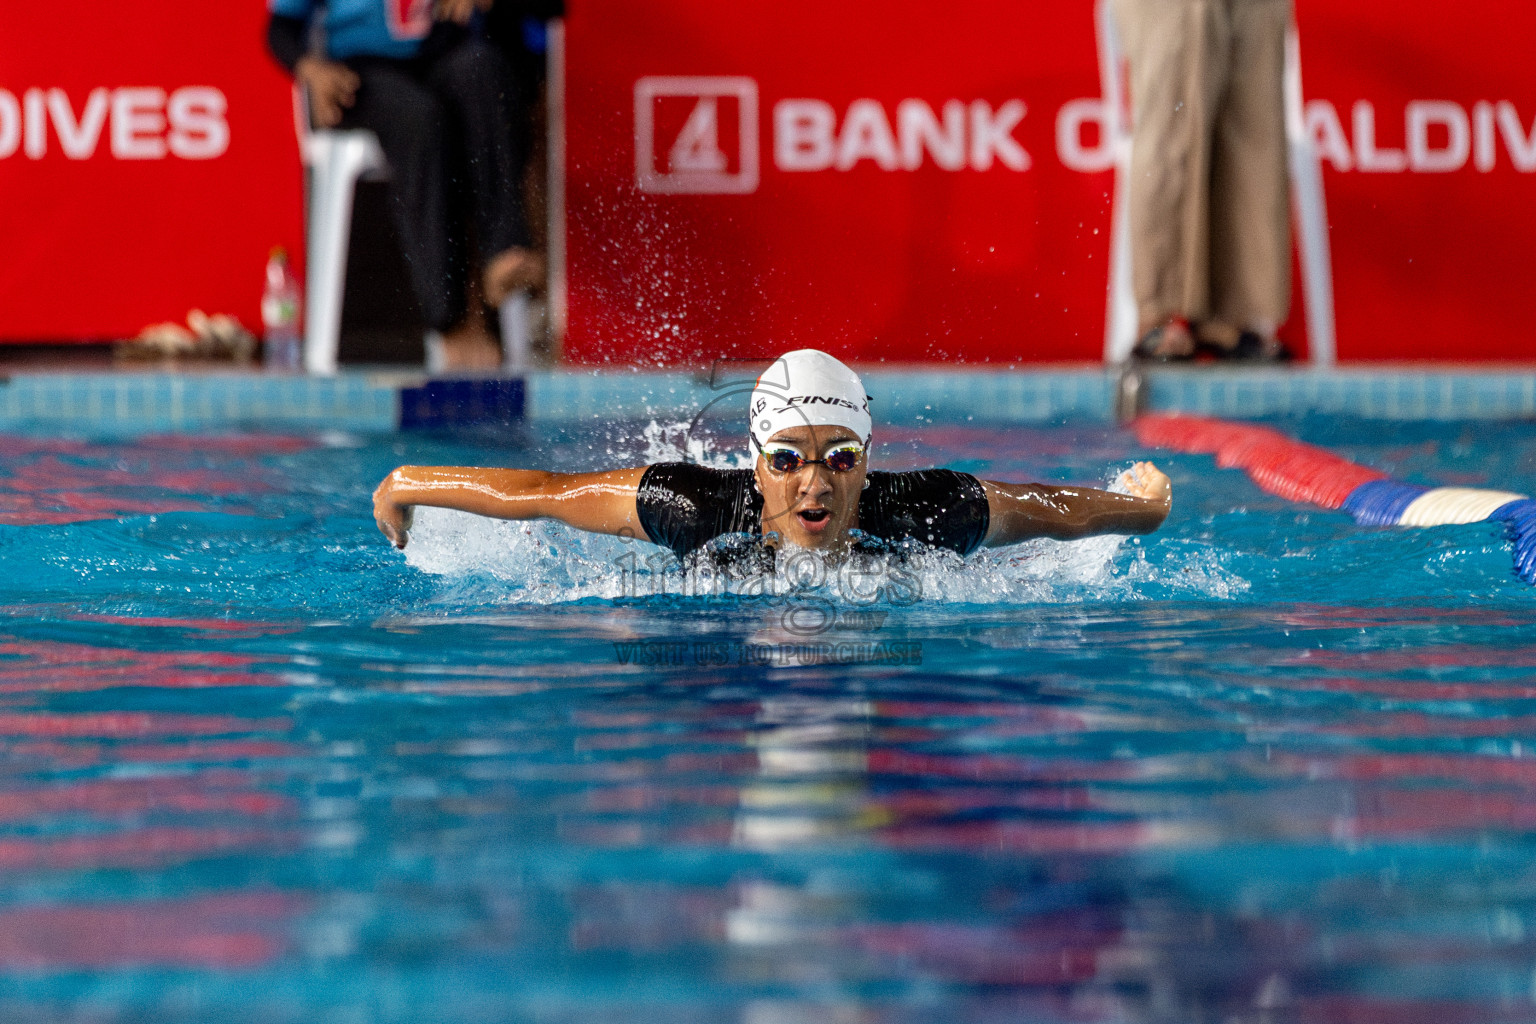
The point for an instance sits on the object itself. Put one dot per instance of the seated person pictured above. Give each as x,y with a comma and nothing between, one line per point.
438,98
811,486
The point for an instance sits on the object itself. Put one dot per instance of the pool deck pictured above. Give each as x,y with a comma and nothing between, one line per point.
152,401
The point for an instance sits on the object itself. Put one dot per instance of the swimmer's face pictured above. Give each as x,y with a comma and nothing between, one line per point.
812,506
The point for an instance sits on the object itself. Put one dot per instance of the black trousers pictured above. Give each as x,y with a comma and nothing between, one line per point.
444,121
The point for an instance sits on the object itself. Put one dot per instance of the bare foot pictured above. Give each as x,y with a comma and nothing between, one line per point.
512,270
470,348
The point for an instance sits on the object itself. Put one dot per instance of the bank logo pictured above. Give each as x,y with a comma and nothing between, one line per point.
696,134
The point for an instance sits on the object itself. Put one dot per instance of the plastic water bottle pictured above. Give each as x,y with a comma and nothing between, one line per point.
282,348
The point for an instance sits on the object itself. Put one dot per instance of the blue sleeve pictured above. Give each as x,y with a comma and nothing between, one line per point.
292,8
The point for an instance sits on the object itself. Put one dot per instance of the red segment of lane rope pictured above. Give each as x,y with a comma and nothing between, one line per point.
1280,465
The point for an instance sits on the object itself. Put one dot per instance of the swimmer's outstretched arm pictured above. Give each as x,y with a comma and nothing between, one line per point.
596,502
1025,511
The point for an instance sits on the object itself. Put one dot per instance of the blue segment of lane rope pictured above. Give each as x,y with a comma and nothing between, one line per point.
1519,519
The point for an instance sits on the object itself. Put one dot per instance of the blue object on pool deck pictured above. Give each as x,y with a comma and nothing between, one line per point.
461,403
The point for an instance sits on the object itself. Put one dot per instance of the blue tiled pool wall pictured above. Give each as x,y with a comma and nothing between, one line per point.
1037,396
382,401
169,402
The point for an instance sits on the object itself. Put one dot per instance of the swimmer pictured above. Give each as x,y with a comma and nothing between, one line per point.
811,486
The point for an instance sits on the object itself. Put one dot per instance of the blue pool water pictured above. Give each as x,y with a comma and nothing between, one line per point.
255,765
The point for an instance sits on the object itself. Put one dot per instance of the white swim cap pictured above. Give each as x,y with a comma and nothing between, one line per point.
807,387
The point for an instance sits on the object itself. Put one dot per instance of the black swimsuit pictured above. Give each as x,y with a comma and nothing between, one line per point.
685,506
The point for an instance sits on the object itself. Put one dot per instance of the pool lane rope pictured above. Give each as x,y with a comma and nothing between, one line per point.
1301,472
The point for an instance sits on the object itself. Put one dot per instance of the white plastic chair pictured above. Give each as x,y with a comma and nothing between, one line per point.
337,160
1308,208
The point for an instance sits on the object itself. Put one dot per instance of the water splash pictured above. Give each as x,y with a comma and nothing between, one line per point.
485,561
679,442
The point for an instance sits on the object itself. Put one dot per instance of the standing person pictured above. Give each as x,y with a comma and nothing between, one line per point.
519,28
1209,193
435,94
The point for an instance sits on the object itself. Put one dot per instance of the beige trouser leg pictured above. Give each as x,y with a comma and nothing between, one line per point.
1250,185
1210,216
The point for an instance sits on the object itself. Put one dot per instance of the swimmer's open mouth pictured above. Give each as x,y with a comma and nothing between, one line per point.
815,519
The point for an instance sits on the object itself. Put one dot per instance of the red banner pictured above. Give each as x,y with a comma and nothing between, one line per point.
148,160
892,181
1425,116
878,180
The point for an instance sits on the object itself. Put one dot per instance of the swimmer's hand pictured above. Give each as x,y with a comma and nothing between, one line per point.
1145,480
393,517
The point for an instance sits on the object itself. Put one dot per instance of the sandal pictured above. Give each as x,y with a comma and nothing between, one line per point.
1168,342
1253,347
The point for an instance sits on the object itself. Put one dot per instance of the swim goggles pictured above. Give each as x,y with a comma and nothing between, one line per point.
783,459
